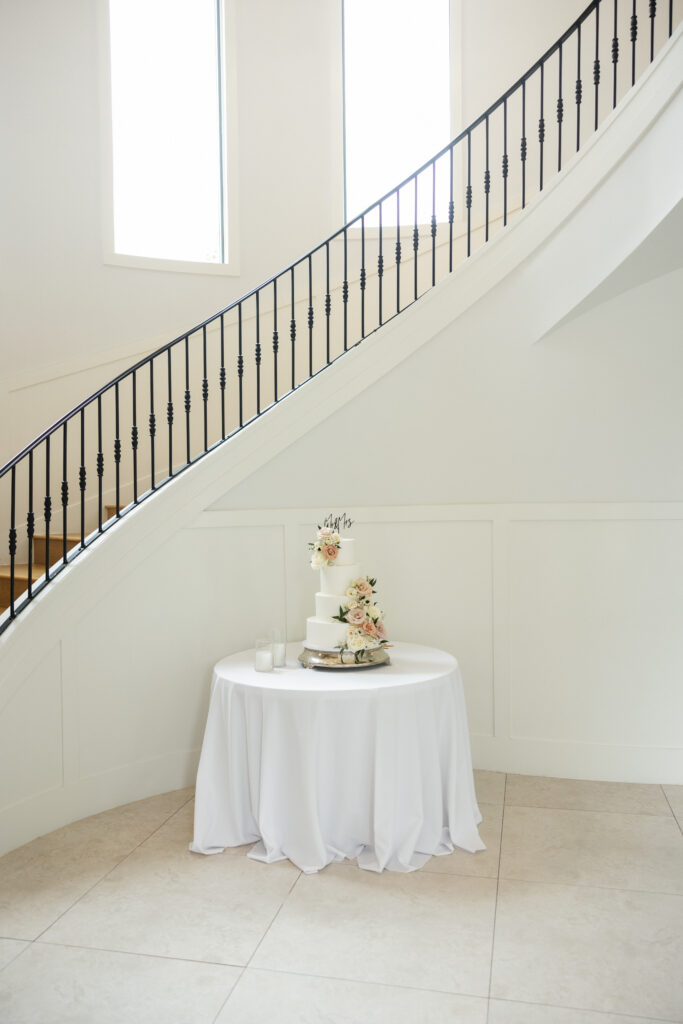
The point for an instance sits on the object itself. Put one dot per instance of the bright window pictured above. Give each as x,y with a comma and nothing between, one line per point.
166,82
396,95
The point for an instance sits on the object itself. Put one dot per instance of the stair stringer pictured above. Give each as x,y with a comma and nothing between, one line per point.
533,262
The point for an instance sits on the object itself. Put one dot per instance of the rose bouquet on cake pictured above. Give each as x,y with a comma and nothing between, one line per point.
364,618
325,547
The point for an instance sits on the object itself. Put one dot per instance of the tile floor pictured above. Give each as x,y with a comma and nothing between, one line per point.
573,915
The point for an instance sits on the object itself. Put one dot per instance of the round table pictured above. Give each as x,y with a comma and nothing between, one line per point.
318,765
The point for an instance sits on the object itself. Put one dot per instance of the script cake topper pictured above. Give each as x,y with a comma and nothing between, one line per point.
338,522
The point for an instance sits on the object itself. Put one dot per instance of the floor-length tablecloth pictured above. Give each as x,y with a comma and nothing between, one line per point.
316,766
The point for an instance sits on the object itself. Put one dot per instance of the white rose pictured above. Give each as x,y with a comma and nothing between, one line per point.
351,602
334,538
318,560
324,533
355,641
374,612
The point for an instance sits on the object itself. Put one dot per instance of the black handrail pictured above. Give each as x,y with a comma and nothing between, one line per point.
135,394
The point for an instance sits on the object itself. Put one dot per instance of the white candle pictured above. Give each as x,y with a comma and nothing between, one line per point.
279,652
263,661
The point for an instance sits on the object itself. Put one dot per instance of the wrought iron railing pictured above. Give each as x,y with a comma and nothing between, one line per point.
145,426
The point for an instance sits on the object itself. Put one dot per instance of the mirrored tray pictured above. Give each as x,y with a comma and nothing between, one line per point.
373,658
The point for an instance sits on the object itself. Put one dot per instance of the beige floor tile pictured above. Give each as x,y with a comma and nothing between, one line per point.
578,795
489,786
595,949
419,929
265,997
60,985
9,949
674,795
483,863
528,1013
42,879
167,901
622,851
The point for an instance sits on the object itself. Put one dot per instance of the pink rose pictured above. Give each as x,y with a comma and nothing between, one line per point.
355,616
369,628
364,589
330,552
380,631
324,531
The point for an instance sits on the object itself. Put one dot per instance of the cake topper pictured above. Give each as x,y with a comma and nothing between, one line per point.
338,522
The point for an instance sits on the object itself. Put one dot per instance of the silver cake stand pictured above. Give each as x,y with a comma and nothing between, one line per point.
373,658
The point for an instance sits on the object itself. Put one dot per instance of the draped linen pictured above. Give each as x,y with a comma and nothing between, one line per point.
316,766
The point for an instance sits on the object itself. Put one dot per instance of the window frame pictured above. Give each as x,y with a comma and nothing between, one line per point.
229,183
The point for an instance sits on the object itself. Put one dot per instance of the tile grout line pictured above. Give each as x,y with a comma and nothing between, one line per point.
256,948
592,810
113,868
583,1009
672,810
495,906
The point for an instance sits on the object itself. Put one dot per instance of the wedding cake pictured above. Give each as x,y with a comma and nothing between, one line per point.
347,616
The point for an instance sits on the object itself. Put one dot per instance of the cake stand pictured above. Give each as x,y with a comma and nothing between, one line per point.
373,657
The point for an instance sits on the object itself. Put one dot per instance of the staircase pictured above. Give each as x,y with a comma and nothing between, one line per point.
159,417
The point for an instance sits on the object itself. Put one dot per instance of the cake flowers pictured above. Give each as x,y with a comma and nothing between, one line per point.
325,547
364,618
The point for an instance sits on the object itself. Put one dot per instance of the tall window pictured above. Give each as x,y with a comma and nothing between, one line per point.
396,93
166,83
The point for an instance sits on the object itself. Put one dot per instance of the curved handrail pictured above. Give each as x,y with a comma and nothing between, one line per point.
230,320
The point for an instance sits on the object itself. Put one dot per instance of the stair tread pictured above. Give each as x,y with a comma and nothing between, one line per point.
75,537
21,569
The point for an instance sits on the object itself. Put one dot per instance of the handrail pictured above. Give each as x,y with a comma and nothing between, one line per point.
254,376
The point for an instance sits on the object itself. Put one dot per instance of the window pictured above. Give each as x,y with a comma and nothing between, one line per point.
396,94
167,132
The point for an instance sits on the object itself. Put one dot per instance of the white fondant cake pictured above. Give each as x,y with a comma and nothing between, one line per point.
322,632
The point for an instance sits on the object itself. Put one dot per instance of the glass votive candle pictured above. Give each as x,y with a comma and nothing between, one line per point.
279,653
263,656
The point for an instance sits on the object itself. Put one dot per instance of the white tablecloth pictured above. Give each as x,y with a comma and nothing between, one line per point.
316,766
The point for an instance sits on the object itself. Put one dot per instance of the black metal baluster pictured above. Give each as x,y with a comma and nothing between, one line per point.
653,13
47,508
328,301
560,113
615,58
276,343
188,399
380,265
522,145
487,179
398,250
169,413
671,17
634,36
222,377
596,63
30,524
310,316
416,238
579,88
345,291
468,193
363,276
451,211
152,424
82,478
205,391
65,493
134,437
292,333
257,356
12,539
433,223
117,450
505,161
240,361
541,132
100,463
